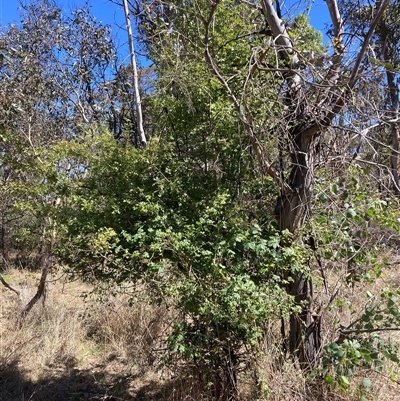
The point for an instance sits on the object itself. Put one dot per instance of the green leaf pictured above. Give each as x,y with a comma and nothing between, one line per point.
351,213
335,188
329,380
392,301
366,383
344,382
323,198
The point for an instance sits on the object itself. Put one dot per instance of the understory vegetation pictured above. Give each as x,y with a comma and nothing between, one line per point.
221,223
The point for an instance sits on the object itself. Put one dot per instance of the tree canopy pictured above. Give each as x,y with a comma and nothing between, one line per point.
272,161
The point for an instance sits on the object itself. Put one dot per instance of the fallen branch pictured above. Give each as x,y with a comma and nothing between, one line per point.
8,285
373,330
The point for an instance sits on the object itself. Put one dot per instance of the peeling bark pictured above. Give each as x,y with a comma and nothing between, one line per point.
293,206
394,127
293,212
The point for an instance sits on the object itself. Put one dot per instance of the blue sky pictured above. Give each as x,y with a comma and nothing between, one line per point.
103,10
111,14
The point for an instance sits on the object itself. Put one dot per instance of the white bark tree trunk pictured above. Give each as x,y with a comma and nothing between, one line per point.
139,114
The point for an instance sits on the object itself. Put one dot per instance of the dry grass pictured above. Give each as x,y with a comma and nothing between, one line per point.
72,349
103,349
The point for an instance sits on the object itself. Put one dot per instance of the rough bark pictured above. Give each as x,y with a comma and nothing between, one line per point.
394,114
41,290
304,122
305,328
394,131
45,263
292,211
293,206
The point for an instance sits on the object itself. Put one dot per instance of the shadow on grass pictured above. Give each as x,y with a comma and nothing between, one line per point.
72,384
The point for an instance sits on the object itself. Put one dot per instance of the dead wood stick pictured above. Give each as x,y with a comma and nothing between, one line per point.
8,285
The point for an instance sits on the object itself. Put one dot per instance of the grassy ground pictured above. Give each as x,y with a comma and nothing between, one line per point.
71,348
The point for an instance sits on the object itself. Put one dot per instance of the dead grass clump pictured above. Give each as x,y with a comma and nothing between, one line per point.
280,380
132,334
50,336
49,346
73,348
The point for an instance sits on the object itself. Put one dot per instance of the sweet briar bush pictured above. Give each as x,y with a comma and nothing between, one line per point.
354,223
140,217
364,345
205,248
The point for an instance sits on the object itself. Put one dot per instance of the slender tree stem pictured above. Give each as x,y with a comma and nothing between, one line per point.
139,114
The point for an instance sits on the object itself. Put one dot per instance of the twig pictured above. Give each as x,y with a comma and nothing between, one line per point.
373,330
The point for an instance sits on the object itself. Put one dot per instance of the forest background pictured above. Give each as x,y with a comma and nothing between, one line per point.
240,189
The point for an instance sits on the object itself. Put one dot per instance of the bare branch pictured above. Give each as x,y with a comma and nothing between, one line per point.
315,128
334,72
245,118
364,47
373,330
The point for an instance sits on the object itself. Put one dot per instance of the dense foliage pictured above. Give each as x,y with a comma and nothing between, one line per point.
266,172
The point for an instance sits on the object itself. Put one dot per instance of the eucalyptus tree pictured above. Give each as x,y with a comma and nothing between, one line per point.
54,74
137,98
54,70
381,78
286,90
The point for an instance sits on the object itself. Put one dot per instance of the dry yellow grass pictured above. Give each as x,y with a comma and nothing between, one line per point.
72,349
103,349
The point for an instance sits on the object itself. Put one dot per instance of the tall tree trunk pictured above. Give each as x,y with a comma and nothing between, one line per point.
293,207
304,121
292,211
46,260
393,100
394,129
139,114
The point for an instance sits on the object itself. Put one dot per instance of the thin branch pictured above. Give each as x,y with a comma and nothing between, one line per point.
373,330
245,119
334,71
364,47
252,5
316,127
